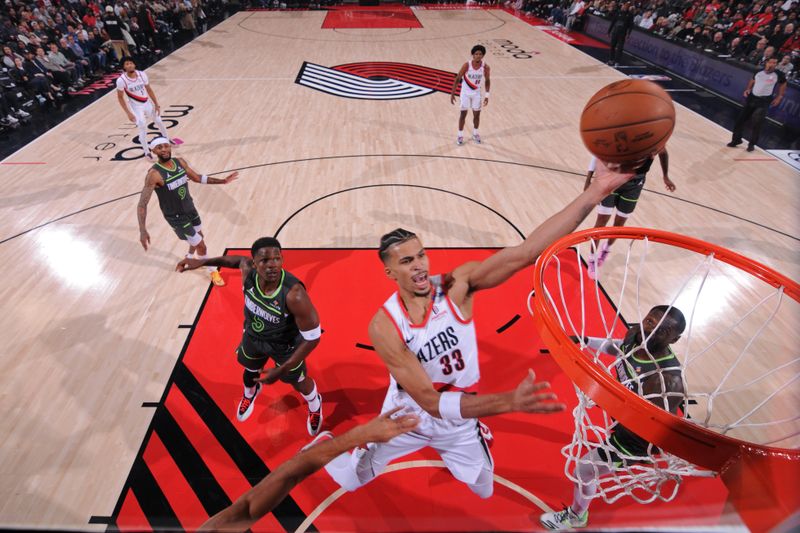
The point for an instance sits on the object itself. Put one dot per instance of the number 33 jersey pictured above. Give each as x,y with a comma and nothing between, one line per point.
444,343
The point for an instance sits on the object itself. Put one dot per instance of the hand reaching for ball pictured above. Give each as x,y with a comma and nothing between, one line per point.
610,176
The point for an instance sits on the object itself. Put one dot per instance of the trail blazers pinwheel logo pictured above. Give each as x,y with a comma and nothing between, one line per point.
376,80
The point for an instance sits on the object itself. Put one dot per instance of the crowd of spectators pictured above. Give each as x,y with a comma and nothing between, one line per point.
51,49
750,32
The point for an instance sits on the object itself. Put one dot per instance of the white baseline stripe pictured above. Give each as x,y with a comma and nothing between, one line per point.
417,464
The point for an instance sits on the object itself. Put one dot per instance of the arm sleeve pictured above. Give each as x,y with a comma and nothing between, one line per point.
609,346
120,86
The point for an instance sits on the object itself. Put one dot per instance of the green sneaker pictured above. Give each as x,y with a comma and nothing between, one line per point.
563,520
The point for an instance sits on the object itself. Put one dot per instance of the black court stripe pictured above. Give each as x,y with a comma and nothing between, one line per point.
151,499
365,347
288,513
508,324
190,463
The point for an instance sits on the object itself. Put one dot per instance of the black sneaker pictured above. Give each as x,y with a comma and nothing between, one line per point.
751,147
734,144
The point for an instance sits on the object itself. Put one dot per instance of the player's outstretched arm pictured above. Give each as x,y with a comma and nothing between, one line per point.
307,320
227,261
197,178
408,372
508,261
261,499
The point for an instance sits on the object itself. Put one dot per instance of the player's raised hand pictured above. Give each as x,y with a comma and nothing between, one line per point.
609,176
528,399
188,264
231,177
386,426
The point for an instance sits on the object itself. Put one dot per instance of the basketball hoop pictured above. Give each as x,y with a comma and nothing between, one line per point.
755,447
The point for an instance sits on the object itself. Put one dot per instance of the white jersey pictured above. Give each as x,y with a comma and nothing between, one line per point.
445,344
471,82
134,87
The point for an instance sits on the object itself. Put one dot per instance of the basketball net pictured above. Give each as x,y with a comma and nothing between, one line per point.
657,474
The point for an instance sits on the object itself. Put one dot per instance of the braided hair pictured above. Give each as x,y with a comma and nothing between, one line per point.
397,236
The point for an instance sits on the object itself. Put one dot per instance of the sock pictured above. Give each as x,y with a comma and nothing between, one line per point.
460,133
313,399
249,391
209,268
189,256
475,132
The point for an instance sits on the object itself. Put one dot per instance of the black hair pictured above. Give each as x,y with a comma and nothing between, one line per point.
478,48
264,242
397,236
675,315
126,59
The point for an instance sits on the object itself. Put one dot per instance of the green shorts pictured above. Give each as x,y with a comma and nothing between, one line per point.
185,225
254,354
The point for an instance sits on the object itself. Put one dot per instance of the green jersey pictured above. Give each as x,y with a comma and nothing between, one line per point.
266,316
173,196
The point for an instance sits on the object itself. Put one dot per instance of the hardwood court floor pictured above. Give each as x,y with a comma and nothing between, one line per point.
93,330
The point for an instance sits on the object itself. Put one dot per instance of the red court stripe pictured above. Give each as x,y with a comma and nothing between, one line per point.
131,517
218,461
25,163
176,489
754,159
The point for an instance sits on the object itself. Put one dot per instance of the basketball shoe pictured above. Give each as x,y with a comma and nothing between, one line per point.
460,140
216,278
246,405
563,520
322,437
596,261
476,137
314,422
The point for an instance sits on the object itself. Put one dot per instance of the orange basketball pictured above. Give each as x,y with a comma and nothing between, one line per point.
627,121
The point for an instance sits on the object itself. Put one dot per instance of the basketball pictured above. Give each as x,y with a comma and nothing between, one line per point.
627,121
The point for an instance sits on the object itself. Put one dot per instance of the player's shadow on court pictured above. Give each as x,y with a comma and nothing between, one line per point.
207,44
220,202
155,256
351,402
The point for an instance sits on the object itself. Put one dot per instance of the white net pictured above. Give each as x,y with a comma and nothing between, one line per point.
739,357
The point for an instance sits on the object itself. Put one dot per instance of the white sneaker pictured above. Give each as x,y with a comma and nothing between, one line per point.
246,405
476,138
563,520
11,119
314,420
23,114
460,140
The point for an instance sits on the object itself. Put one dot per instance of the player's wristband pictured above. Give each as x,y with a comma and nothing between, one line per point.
450,405
312,334
203,179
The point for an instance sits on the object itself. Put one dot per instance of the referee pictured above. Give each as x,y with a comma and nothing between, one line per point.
758,99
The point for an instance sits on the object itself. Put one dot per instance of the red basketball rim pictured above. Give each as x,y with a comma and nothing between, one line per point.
674,434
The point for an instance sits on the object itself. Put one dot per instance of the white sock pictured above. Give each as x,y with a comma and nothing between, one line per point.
460,133
313,399
189,256
209,268
475,131
249,391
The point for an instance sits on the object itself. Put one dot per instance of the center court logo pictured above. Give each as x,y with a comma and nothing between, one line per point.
376,80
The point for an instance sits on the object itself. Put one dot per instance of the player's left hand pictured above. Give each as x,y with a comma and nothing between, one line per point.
272,375
527,397
453,99
231,177
158,109
485,102
188,263
668,184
